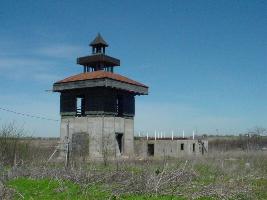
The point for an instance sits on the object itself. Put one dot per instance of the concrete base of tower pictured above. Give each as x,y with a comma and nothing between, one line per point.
98,137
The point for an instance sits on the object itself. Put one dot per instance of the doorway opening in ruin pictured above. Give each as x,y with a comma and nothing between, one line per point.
150,149
80,146
80,106
194,147
119,137
182,146
119,106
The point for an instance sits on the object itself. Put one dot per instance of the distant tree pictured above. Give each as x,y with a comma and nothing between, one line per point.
254,137
258,131
10,134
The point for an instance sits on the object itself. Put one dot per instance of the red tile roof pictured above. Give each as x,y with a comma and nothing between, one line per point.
100,75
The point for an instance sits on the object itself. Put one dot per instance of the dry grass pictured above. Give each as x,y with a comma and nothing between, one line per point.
224,174
231,175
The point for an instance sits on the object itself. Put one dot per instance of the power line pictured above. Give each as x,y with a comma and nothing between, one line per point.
28,115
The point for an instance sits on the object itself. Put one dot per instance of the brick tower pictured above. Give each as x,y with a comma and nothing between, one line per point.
97,107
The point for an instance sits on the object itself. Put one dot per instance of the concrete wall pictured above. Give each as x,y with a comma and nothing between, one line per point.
171,148
101,131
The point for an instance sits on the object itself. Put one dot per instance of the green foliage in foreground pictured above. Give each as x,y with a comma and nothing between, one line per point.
260,187
46,189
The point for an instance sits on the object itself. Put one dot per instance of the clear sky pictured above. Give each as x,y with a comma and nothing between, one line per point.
204,60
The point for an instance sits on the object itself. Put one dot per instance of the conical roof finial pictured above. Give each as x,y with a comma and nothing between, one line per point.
99,41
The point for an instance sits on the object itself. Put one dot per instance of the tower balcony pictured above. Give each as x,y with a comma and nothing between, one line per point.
98,59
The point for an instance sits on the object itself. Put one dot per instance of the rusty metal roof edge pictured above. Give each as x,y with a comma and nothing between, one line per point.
58,84
137,83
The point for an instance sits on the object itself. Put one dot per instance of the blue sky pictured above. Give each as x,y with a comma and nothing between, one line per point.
205,61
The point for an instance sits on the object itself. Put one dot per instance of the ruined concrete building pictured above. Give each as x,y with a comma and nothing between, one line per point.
97,106
169,147
97,110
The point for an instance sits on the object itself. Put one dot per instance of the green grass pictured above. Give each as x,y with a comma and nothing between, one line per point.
231,173
260,188
207,174
146,197
46,189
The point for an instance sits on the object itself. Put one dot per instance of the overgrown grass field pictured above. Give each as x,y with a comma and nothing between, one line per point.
47,189
231,175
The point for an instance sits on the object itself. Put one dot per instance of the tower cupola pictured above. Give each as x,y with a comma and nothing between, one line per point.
98,45
98,60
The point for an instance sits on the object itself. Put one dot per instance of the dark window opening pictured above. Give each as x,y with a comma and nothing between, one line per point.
119,137
150,149
119,106
80,106
194,147
182,146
